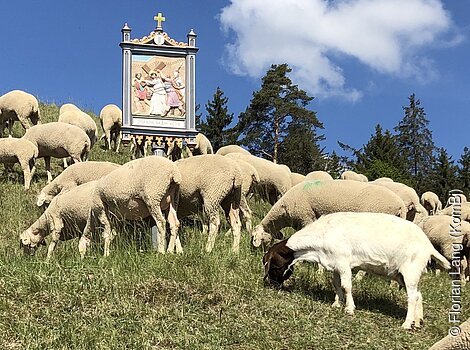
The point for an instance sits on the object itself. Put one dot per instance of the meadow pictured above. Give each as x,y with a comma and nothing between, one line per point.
138,299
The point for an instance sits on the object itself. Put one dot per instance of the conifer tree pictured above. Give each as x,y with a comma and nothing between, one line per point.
335,165
443,176
463,176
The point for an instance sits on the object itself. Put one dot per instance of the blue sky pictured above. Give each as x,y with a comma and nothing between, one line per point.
360,59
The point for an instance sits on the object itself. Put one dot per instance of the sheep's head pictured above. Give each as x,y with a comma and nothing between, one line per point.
260,236
43,198
278,263
30,240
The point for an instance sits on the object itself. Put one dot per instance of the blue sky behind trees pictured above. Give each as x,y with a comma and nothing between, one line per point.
360,59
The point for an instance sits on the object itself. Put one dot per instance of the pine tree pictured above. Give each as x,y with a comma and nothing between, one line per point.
464,172
215,127
265,122
443,176
414,140
335,165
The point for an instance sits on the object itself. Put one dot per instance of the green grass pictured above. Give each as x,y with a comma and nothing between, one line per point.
142,300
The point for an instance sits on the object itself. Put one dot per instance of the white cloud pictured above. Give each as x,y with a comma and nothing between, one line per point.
311,36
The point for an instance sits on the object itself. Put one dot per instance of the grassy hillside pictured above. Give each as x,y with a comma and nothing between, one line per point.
137,299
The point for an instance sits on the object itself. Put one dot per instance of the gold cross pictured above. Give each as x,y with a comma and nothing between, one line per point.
159,18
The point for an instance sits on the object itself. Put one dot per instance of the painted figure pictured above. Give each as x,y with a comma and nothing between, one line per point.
172,100
140,93
158,99
179,86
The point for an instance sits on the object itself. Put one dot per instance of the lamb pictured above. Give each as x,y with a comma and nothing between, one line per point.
83,121
13,150
306,202
351,175
142,188
209,182
275,180
431,202
111,122
65,218
21,106
318,175
446,236
68,107
231,149
374,242
75,175
460,341
203,145
296,178
58,140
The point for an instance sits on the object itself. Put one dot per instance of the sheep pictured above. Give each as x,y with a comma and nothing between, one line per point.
83,121
306,202
351,175
13,150
250,179
21,106
68,107
296,178
457,341
208,182
446,236
275,180
462,210
384,179
318,175
75,175
231,149
431,202
374,242
111,122
65,218
203,145
139,189
451,200
58,140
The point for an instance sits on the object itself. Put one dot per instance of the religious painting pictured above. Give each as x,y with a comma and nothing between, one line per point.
158,87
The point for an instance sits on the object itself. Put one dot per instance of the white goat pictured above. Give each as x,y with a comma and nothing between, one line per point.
379,243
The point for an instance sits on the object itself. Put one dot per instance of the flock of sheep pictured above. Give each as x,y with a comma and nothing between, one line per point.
381,227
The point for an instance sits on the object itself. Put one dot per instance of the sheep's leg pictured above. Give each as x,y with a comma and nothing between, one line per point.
174,227
214,223
346,283
108,233
108,139
65,163
234,217
118,141
26,174
47,161
339,296
157,215
83,245
246,214
58,225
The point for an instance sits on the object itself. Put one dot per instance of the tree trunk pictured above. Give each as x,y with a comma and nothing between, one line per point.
276,138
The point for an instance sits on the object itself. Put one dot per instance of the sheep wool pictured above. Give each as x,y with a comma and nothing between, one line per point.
459,342
111,122
18,105
75,175
306,202
318,175
203,145
224,150
351,175
296,178
13,150
83,121
462,210
68,107
431,202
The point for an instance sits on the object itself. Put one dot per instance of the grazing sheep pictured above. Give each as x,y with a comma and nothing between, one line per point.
318,175
351,175
446,236
462,210
83,121
384,179
75,175
459,341
431,202
111,122
296,178
374,242
142,188
21,106
68,107
203,145
209,182
21,151
275,180
58,140
65,218
306,202
231,149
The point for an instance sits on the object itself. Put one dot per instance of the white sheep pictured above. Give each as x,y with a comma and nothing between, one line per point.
318,175
203,145
431,202
75,175
111,122
462,210
452,199
231,149
58,140
352,175
296,178
209,182
83,121
275,180
21,106
384,179
13,150
460,341
306,202
447,236
374,242
68,107
65,218
142,188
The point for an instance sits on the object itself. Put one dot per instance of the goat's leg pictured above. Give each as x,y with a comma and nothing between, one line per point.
411,279
346,283
419,310
339,295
